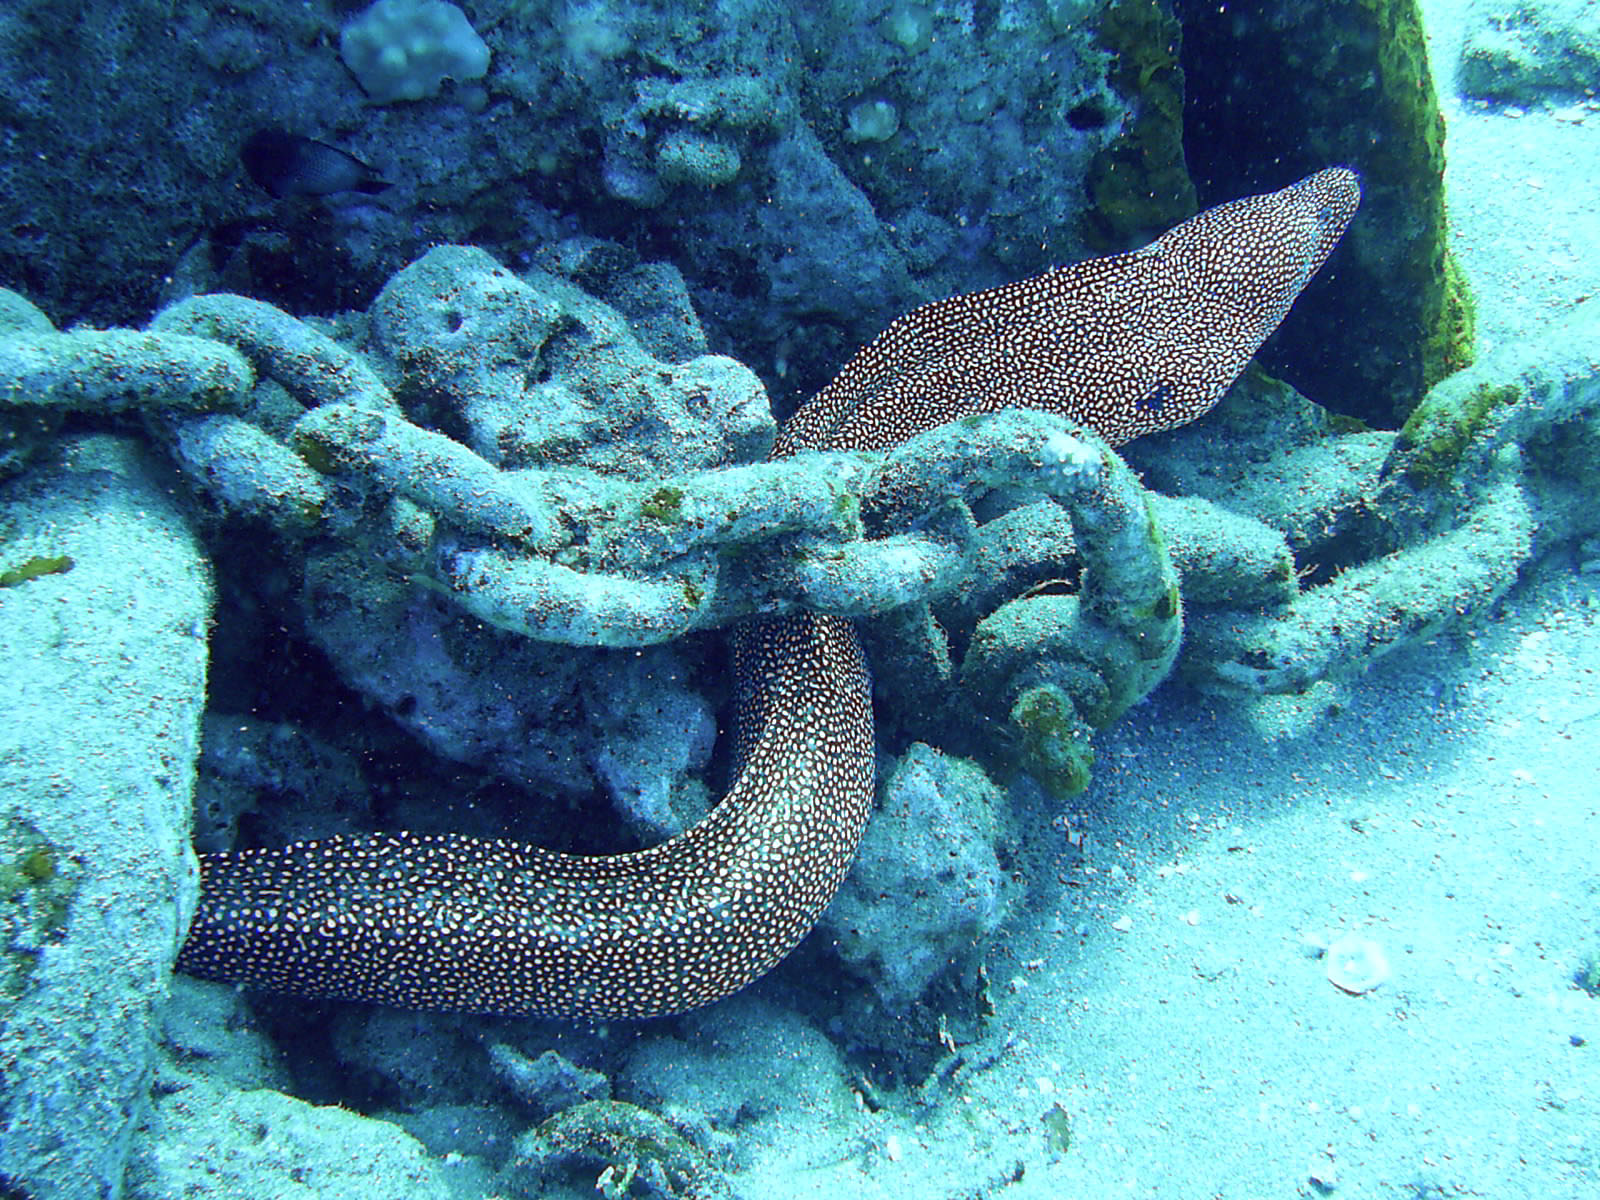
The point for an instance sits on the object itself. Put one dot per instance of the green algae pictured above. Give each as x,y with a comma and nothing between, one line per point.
1058,1128
1053,743
36,891
847,508
1340,423
1587,976
1451,337
35,568
38,865
1167,604
316,452
1139,182
1424,279
665,504
1436,435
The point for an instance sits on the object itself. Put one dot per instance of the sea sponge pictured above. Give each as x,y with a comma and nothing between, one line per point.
406,49
687,156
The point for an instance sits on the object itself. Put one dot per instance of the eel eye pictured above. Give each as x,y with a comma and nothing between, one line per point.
1155,399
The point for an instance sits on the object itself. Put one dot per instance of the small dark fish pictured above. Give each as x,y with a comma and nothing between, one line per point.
287,164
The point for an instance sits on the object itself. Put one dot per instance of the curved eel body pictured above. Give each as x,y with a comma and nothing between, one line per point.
1126,345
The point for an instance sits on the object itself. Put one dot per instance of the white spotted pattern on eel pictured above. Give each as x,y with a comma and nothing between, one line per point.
1127,345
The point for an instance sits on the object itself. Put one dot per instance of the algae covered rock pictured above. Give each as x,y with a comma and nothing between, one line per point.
927,888
204,1137
1531,53
699,1075
105,670
532,370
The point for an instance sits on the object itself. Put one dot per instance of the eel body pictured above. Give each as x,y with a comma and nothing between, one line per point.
1126,345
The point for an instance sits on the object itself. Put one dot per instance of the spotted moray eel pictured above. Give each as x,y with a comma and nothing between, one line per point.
1126,345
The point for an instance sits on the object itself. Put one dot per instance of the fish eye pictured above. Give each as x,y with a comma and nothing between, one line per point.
1155,397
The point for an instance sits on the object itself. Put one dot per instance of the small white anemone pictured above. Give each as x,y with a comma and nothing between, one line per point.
909,26
1070,460
872,121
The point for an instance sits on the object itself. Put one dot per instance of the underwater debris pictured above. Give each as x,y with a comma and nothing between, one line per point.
1356,964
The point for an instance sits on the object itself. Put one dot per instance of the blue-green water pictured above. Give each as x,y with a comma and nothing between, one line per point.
448,541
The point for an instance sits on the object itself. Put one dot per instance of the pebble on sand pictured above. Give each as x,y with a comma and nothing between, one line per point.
1356,964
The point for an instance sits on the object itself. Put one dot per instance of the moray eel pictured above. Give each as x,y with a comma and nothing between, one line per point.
1126,345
